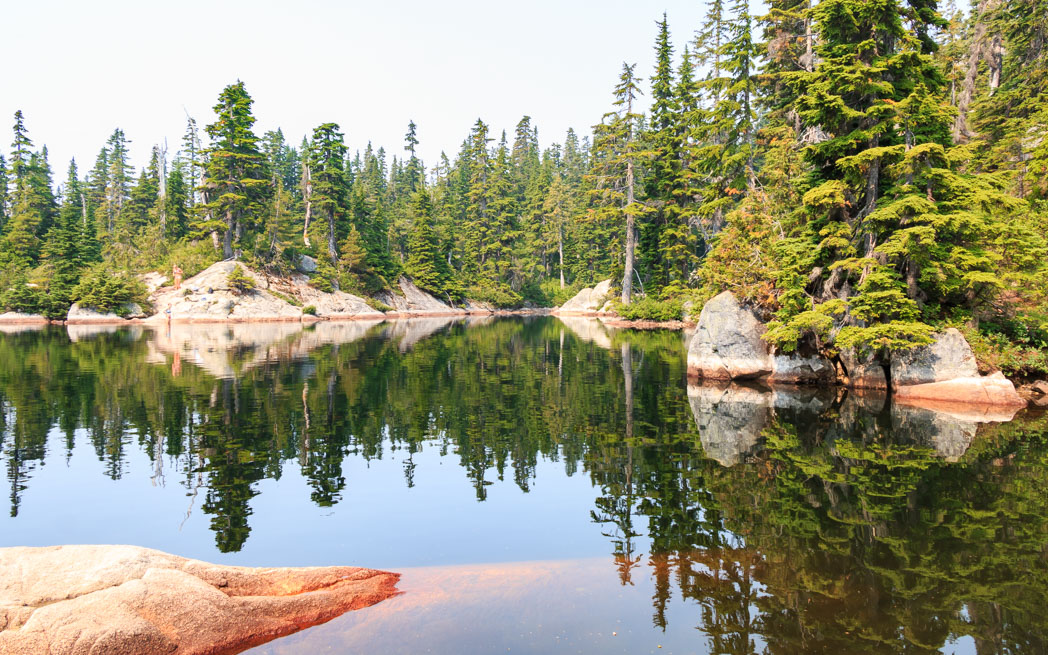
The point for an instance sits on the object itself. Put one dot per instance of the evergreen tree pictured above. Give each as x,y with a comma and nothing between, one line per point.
617,155
425,265
61,249
236,183
326,160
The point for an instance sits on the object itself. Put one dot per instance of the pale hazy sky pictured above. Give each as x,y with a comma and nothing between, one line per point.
78,69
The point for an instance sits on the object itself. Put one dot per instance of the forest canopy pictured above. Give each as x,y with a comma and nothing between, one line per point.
860,172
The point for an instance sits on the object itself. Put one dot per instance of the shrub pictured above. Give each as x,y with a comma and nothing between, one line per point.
239,281
21,297
649,309
106,291
310,309
378,305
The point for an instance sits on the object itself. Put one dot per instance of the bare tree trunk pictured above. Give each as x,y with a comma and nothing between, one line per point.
560,251
631,238
162,200
307,191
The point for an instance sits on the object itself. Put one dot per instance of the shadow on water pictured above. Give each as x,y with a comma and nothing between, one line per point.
811,521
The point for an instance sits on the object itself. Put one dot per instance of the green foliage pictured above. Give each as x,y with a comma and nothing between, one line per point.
108,291
310,310
239,281
650,309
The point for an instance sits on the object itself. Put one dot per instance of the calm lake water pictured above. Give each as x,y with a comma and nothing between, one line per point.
545,485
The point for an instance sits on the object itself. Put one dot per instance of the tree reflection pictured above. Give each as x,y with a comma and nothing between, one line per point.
811,522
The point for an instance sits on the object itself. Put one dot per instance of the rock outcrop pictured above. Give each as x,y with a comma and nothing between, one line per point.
945,371
947,358
413,300
83,315
587,301
207,297
797,368
19,318
993,389
728,342
125,600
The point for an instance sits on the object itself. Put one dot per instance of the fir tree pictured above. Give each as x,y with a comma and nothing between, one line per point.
235,180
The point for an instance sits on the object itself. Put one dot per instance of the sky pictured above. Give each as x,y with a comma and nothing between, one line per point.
79,69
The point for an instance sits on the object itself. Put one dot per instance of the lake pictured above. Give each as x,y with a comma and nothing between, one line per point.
545,485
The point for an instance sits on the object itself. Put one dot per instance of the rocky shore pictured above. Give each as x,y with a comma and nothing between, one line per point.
728,346
208,298
125,600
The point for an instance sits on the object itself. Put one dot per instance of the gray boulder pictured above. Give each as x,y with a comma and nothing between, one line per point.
949,357
306,264
588,300
728,342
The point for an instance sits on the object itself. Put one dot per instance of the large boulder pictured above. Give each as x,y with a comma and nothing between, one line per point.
124,600
587,301
306,264
992,389
728,342
947,358
945,371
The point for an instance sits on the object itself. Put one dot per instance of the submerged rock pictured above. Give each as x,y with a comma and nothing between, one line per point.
587,301
728,342
68,600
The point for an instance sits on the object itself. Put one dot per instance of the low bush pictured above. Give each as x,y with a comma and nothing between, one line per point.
108,291
239,281
649,309
310,310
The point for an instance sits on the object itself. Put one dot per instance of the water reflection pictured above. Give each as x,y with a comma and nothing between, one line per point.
805,521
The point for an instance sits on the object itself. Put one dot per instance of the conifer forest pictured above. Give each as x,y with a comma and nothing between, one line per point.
861,171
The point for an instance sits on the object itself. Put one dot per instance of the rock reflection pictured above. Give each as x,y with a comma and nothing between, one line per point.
775,522
731,419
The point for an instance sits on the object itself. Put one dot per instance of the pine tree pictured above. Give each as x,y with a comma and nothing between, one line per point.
61,249
664,168
4,201
425,265
326,160
617,153
236,183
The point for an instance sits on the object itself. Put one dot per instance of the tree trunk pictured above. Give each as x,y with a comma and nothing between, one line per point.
332,250
982,48
560,252
307,183
631,238
227,237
